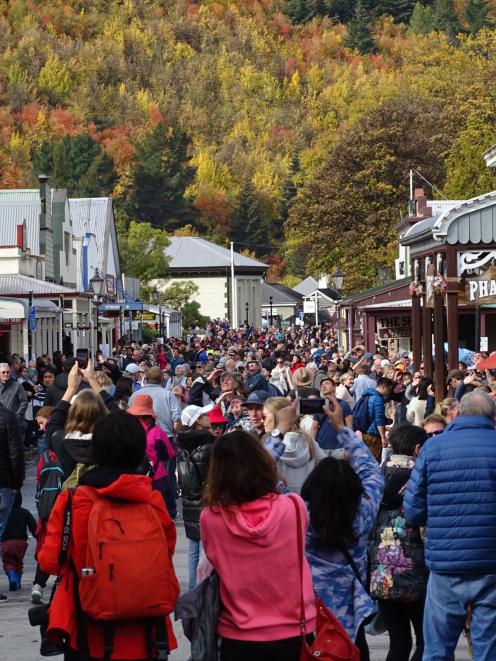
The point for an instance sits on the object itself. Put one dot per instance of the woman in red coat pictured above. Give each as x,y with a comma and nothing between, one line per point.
118,446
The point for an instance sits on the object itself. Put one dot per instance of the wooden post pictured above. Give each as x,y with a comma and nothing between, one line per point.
427,340
416,332
439,379
452,308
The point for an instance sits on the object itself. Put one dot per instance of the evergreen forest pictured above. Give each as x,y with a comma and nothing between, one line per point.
287,126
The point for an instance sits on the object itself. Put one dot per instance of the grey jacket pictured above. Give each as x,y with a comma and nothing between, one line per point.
13,397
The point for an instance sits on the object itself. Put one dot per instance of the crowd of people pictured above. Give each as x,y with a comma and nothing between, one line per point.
254,440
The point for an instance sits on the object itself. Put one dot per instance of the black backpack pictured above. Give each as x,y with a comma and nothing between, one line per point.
49,485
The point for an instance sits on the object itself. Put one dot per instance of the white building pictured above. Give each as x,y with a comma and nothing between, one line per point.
209,267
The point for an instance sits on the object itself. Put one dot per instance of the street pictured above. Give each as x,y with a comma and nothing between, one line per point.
18,640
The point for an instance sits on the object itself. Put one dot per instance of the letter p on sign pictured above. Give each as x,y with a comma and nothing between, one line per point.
474,286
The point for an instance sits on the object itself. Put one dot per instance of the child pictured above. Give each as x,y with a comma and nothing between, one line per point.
42,419
15,542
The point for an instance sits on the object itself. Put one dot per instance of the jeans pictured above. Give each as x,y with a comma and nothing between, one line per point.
194,550
448,597
397,617
6,502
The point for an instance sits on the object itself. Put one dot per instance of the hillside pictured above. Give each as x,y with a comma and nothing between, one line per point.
240,120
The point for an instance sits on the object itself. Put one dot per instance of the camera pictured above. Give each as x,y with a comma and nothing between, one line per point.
38,617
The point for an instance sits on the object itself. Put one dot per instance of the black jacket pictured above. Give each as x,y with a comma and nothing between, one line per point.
55,393
11,450
19,522
193,455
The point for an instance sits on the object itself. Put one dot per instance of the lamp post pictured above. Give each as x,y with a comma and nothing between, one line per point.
156,301
271,314
338,277
247,308
383,273
97,284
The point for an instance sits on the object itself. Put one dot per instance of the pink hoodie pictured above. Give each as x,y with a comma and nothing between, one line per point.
154,434
253,548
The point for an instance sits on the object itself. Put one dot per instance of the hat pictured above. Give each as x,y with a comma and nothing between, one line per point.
385,363
257,397
454,374
302,377
400,367
405,354
132,368
142,405
191,414
216,416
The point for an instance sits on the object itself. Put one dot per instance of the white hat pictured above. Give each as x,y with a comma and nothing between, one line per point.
385,363
191,414
132,368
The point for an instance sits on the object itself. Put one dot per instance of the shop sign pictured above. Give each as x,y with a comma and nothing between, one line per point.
394,326
143,316
479,289
309,307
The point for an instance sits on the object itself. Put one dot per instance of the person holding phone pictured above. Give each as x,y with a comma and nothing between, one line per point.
322,431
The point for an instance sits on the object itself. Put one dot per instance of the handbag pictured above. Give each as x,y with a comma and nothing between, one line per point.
331,642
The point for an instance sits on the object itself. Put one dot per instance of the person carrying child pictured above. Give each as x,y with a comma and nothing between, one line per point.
15,542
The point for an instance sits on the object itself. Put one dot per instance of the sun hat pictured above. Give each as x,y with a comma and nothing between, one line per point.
216,416
385,363
142,405
132,368
257,398
302,377
191,414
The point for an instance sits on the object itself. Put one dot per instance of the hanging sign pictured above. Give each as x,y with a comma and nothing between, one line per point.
479,289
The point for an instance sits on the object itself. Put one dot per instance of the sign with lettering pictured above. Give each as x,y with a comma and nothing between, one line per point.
394,326
479,289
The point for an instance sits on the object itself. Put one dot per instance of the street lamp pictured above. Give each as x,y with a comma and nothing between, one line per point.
270,304
383,273
97,285
247,307
155,300
338,277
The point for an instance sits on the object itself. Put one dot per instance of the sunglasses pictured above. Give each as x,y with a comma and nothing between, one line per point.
434,433
218,425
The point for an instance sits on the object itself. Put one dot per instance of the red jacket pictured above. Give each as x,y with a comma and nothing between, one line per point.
129,641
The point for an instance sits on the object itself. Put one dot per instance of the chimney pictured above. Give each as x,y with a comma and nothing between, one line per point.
421,208
323,282
46,238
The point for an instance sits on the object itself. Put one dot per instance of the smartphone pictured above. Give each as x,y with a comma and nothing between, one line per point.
82,357
311,406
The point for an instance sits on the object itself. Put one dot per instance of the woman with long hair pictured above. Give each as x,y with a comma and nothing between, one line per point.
249,534
343,497
416,410
300,453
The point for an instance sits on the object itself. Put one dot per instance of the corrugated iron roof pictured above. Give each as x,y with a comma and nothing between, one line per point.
13,212
89,216
21,194
306,286
190,252
15,284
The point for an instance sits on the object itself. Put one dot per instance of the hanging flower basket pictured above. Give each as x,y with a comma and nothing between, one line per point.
439,284
416,288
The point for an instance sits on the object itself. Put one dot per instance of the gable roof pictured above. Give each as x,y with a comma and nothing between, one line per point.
281,295
189,253
306,286
326,292
13,212
14,284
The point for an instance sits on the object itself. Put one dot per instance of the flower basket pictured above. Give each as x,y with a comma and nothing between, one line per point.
416,288
439,284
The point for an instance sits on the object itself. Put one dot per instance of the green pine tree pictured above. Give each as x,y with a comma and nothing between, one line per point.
400,10
360,37
159,180
289,191
248,228
422,20
477,15
299,11
100,178
445,18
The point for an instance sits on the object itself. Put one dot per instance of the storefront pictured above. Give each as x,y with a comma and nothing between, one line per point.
453,290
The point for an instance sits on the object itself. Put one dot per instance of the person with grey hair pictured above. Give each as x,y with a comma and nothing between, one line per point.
12,395
179,378
452,492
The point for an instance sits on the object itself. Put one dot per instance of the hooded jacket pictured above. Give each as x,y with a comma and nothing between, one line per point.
452,491
11,451
297,461
19,522
55,393
254,550
193,455
129,636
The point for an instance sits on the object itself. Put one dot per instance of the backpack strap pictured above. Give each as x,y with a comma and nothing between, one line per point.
108,639
303,622
156,638
353,566
66,529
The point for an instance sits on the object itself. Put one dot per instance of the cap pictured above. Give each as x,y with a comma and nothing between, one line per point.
385,363
142,405
191,414
405,354
257,397
454,374
216,416
132,368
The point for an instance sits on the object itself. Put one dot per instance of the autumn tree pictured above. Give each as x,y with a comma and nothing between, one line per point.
359,36
160,177
346,215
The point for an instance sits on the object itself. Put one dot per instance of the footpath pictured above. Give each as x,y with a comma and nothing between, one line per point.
19,641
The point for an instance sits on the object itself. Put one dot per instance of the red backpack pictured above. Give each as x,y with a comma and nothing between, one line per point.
127,554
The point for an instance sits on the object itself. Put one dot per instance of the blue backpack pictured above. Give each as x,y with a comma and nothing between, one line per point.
361,417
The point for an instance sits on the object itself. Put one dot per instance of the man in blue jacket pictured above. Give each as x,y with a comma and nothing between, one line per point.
375,436
452,491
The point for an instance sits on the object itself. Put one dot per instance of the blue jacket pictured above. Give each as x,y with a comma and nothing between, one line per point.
376,410
452,491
